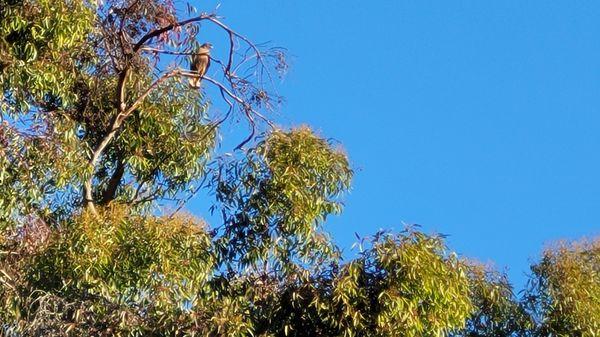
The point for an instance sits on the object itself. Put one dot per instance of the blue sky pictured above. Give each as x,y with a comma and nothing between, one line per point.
477,119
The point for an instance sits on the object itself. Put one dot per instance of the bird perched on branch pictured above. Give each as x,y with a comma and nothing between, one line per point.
199,64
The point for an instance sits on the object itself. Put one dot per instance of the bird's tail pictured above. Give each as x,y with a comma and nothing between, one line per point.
195,82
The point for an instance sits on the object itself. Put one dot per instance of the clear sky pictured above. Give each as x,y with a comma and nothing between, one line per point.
477,119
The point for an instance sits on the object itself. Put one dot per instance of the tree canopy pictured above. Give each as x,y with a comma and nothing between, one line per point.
99,128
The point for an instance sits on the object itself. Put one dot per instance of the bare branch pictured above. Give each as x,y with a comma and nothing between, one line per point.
214,19
232,33
167,28
246,106
237,90
163,51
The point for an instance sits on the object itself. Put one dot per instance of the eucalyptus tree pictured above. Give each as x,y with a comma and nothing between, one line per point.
99,127
564,290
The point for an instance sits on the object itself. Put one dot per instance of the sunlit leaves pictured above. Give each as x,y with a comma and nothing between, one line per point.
59,72
37,42
306,174
275,199
38,164
153,268
167,142
405,285
68,72
498,312
565,290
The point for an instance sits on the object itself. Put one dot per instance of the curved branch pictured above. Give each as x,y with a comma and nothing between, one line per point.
114,128
167,28
123,111
214,19
233,33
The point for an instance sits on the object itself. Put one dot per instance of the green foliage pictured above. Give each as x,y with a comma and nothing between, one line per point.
305,173
406,285
59,79
275,199
35,170
89,104
165,144
565,290
498,313
139,273
41,43
121,253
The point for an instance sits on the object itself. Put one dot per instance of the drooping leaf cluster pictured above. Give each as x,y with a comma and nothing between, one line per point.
405,285
276,198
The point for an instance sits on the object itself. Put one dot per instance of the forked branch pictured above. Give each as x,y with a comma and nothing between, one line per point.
248,95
